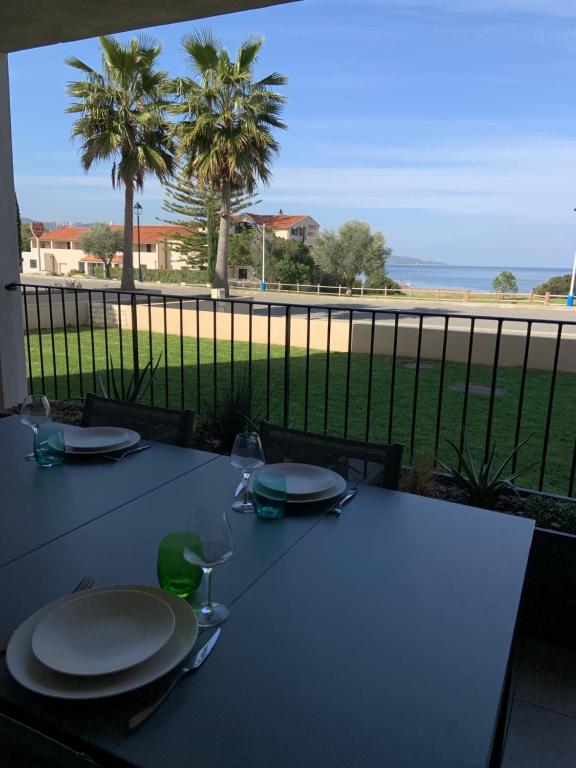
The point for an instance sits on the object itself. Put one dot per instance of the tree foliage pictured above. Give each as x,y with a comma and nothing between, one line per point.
104,242
287,261
194,206
505,282
558,285
227,117
354,248
122,118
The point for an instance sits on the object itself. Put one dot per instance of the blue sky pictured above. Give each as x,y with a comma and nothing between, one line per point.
447,124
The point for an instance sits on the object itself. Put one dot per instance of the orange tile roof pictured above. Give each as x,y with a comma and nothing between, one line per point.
148,233
278,221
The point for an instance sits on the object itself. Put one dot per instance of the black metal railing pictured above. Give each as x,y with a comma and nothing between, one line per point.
379,374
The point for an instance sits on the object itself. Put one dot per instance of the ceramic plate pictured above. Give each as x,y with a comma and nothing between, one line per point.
337,489
103,632
35,676
302,479
74,436
91,439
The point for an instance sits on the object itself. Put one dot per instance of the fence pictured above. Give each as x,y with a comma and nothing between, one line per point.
380,375
407,292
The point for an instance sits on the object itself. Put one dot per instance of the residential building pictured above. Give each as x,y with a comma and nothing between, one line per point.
293,227
58,252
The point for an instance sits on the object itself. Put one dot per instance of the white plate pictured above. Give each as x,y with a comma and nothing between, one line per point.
91,439
336,490
98,633
302,479
130,438
33,675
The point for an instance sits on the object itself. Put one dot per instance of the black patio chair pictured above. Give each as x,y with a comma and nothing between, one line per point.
161,425
358,462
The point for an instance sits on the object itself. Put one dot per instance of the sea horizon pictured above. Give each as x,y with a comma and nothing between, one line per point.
473,278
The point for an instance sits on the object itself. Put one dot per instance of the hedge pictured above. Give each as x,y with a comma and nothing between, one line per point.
195,276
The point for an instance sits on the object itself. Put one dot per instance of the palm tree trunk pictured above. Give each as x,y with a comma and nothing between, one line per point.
221,272
127,283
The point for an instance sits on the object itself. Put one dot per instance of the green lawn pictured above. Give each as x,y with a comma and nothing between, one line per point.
176,385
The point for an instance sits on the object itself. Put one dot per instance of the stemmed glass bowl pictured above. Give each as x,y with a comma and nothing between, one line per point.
247,455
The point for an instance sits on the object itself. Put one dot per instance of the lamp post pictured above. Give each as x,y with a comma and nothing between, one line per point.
138,211
263,281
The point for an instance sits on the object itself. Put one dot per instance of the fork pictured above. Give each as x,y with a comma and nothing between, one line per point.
86,582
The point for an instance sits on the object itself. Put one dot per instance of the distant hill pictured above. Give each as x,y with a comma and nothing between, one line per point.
50,225
394,261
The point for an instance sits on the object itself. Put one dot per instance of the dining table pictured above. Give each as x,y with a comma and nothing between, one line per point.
381,636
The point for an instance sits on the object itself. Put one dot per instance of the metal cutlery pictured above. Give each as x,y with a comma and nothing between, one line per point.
197,661
119,457
86,582
337,508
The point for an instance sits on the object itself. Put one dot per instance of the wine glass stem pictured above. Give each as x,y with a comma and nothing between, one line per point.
35,441
207,606
246,481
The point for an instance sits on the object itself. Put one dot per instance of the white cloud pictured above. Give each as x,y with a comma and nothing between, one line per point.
528,178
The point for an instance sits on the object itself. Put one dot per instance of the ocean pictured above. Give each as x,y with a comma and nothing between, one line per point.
470,278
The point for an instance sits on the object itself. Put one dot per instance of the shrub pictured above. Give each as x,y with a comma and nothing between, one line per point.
559,285
558,514
505,282
184,275
381,280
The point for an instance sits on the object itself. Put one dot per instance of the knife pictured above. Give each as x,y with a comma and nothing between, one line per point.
197,661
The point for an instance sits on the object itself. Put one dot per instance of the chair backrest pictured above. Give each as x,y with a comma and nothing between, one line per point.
375,464
162,425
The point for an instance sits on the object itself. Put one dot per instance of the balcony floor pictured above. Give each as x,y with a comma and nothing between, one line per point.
542,729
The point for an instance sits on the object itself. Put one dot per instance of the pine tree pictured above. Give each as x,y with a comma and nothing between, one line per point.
195,207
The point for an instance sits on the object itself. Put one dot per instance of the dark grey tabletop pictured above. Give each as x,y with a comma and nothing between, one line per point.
377,638
38,505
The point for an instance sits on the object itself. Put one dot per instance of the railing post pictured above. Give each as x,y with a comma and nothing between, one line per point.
297,287
339,290
385,291
547,297
531,299
279,287
318,287
467,296
362,290
135,350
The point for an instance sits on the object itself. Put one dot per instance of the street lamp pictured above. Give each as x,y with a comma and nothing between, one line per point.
570,298
263,281
138,211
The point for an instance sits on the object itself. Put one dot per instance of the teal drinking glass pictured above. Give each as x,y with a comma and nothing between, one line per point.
269,495
49,445
175,574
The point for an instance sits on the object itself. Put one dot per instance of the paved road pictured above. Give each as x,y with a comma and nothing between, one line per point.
515,317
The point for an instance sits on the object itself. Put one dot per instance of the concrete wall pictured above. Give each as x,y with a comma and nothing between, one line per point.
12,362
58,313
512,345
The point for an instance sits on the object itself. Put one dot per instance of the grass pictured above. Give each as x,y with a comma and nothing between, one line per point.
183,383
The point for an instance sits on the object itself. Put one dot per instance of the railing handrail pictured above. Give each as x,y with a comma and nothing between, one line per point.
299,305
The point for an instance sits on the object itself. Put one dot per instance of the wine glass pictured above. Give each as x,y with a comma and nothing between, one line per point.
247,455
34,412
213,546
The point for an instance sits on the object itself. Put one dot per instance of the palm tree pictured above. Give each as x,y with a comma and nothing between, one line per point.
225,136
122,118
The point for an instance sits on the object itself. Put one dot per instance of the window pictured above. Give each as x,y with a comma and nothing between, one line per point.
242,273
69,245
148,248
296,231
33,264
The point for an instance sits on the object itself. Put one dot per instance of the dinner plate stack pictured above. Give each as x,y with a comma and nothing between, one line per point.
84,441
307,483
102,642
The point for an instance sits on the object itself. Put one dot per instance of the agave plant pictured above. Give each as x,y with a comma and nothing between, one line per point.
230,413
483,484
137,386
